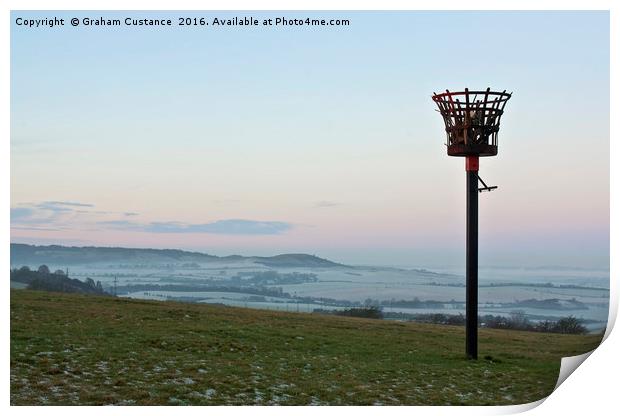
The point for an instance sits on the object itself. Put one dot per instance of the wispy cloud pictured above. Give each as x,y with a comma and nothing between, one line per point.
231,227
121,225
34,214
46,212
20,213
326,204
67,203
61,214
33,228
52,213
60,206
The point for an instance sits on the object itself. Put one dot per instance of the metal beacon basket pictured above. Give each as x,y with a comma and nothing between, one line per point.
472,120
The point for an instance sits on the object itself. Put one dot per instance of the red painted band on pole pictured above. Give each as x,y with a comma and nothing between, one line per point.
472,163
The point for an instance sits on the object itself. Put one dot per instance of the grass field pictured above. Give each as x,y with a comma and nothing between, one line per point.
75,349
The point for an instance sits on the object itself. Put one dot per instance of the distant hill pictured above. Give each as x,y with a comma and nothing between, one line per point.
30,254
26,254
295,260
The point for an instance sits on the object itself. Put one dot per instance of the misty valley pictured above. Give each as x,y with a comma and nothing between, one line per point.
304,283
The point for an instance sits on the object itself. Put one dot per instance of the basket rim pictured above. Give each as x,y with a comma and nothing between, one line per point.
497,95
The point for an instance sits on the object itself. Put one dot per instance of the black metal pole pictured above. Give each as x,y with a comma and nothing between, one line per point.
471,265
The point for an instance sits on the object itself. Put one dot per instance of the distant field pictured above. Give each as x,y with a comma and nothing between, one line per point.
76,349
359,284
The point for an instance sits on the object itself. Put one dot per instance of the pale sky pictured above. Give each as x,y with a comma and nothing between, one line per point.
317,140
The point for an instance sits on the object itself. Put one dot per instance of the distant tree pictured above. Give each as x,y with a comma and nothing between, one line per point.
43,269
90,282
60,272
545,326
372,312
99,287
371,302
518,320
569,325
24,269
455,319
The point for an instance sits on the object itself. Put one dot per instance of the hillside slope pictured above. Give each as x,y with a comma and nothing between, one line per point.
80,349
26,254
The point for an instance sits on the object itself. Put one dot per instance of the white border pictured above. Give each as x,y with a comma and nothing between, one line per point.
309,5
590,389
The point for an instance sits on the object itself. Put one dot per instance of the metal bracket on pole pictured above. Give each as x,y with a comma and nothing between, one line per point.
485,187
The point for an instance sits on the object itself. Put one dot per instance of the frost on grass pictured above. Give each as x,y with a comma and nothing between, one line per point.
217,360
